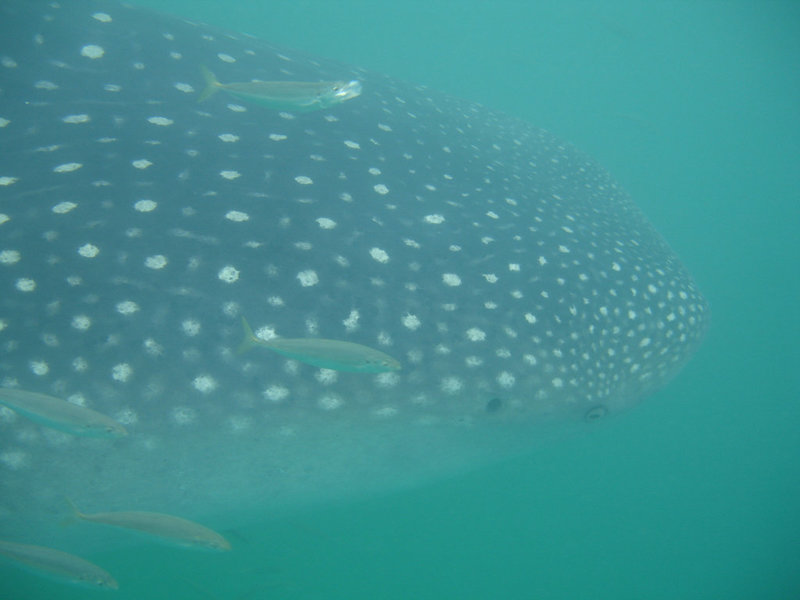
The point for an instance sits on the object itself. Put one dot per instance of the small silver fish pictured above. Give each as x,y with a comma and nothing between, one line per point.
326,354
60,414
58,565
169,528
301,96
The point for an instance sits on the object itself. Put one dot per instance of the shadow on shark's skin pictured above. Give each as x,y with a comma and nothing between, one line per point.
518,286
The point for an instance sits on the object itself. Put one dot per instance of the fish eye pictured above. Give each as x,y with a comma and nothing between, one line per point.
114,430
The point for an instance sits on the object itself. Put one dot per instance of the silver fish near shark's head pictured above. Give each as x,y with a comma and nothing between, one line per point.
298,96
507,273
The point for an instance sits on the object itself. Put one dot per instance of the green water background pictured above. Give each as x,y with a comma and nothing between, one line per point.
693,106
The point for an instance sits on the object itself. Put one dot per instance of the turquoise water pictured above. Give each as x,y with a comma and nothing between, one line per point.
693,107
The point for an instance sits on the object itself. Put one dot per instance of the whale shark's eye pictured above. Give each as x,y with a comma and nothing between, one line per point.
494,405
595,413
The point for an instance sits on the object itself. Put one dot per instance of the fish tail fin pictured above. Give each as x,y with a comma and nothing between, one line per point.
75,514
212,85
249,340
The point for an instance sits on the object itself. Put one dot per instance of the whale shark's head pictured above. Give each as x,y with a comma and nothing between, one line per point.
509,275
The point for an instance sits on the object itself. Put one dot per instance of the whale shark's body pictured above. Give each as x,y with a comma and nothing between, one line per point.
512,279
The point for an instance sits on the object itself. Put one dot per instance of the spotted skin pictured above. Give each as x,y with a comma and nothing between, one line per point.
509,274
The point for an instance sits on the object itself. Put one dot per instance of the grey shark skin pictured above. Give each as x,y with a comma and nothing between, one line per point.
517,284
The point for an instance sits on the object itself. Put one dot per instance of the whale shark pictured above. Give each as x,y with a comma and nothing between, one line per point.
513,285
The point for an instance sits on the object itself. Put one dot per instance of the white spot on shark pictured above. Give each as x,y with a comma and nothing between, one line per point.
475,334
237,216
127,307
145,205
67,167
451,279
228,274
75,119
379,255
9,257
411,321
308,278
81,322
121,372
160,121
92,51
204,383
88,250
157,261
